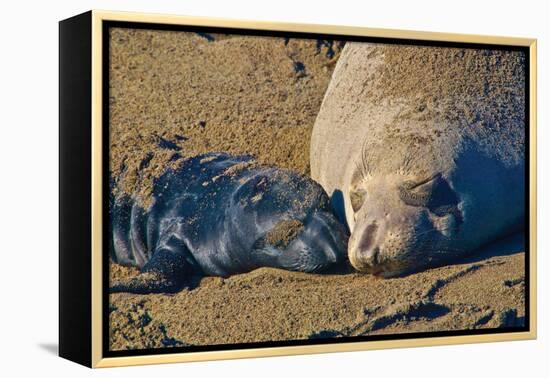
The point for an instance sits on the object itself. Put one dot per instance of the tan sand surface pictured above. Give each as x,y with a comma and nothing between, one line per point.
270,304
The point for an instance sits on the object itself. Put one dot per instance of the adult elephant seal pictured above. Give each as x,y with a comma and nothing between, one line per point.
422,150
219,215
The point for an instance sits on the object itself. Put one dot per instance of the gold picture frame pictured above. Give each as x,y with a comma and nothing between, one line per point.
82,320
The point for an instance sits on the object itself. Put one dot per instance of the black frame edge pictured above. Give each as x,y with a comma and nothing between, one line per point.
75,91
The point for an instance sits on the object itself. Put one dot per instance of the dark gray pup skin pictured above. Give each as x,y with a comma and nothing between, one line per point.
218,215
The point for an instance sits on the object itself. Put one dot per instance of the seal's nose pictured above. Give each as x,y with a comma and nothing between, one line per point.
368,236
364,249
367,248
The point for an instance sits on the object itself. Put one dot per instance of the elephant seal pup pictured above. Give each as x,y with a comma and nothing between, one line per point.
422,150
219,215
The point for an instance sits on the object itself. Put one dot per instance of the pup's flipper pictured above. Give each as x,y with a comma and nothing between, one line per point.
171,268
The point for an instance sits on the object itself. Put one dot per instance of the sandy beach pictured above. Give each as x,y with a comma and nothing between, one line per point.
271,304
175,95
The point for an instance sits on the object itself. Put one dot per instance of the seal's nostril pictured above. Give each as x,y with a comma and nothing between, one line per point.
368,236
372,256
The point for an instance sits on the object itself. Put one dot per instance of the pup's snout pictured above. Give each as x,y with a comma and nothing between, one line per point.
328,236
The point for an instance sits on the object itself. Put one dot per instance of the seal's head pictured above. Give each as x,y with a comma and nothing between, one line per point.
313,245
288,220
402,223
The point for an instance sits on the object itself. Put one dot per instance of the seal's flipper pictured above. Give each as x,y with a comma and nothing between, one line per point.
166,272
171,268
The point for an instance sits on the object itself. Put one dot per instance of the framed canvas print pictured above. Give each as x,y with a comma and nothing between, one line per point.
235,189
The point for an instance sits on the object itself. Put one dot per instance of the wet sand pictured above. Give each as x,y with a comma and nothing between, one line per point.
179,94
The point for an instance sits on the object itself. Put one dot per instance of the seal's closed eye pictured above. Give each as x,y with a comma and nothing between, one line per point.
418,193
357,198
433,193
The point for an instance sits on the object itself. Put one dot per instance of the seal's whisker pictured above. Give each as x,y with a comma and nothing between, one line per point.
437,230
